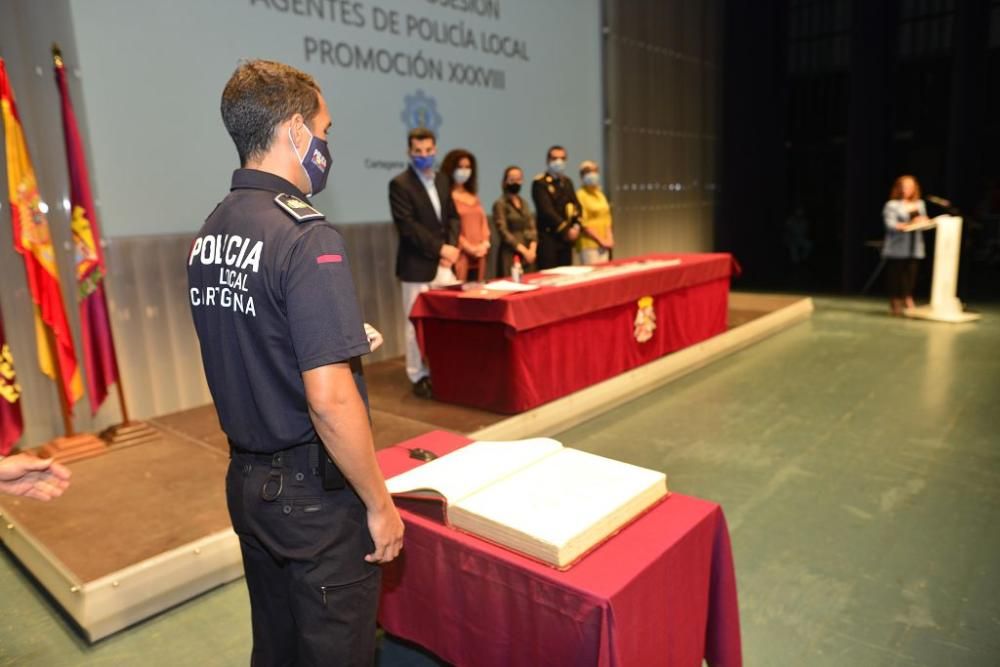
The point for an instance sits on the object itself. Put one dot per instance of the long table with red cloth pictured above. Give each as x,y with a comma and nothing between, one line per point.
660,592
516,352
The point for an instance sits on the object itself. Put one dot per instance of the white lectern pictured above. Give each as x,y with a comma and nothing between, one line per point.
944,306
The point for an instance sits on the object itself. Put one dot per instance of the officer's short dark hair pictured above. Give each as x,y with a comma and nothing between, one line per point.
419,134
548,155
260,95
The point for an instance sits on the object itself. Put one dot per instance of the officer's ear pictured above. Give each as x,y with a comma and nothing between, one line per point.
295,125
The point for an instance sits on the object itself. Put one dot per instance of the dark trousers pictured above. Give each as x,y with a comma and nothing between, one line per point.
313,597
553,252
901,277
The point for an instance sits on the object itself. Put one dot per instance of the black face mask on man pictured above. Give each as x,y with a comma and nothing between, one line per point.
315,162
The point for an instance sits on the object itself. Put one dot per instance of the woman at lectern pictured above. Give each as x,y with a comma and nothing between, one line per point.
903,249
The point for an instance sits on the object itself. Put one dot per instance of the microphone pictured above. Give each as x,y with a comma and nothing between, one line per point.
940,201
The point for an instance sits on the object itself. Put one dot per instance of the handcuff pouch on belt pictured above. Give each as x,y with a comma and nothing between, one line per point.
320,465
328,471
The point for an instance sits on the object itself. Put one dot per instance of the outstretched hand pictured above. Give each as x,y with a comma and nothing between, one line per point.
30,476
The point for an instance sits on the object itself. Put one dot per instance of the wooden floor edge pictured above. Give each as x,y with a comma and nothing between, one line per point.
120,599
581,406
133,594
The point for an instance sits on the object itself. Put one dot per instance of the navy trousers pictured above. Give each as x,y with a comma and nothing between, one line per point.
313,597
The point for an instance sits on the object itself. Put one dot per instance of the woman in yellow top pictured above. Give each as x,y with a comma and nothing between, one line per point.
597,240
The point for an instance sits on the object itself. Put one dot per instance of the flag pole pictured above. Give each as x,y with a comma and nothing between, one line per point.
114,352
67,410
57,60
73,446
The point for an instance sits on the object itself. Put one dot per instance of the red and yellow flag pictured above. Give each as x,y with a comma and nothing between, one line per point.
11,424
95,326
33,242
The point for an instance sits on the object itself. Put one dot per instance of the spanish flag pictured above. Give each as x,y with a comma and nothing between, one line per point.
95,327
33,242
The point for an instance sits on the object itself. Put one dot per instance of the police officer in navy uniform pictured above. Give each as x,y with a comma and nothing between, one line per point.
558,212
280,331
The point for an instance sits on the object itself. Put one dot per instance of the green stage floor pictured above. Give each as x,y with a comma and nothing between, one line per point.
858,462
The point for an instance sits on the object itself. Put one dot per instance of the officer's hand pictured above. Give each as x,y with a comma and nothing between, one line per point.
386,529
375,339
573,233
449,253
27,475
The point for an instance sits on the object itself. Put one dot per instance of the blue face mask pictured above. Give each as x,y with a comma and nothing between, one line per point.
557,167
461,176
592,178
316,161
422,162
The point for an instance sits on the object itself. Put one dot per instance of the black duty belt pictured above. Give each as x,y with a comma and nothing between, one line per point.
317,459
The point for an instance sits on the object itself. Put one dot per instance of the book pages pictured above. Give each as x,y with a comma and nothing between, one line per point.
560,507
465,471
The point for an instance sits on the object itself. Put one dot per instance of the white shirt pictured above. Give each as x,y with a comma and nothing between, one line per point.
432,191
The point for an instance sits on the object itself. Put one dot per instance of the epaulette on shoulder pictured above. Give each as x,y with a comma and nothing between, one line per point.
297,209
542,176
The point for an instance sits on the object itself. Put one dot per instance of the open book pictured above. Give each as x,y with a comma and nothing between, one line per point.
546,501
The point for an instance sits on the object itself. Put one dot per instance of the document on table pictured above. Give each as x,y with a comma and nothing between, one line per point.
568,270
573,275
510,286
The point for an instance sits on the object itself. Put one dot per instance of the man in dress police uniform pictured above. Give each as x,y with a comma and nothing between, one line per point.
279,326
558,212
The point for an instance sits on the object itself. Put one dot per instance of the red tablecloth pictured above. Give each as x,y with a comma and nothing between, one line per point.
661,592
517,352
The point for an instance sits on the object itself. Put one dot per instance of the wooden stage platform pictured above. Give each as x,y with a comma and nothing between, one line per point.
145,527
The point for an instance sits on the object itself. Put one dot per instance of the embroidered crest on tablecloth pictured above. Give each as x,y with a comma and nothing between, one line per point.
645,320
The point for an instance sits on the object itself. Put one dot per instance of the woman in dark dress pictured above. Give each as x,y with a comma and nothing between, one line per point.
516,225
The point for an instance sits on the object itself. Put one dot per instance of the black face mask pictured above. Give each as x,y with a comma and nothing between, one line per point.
513,188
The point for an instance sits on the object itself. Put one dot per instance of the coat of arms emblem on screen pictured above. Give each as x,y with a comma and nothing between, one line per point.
420,110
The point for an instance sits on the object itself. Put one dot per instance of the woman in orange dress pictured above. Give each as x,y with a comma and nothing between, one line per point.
459,167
